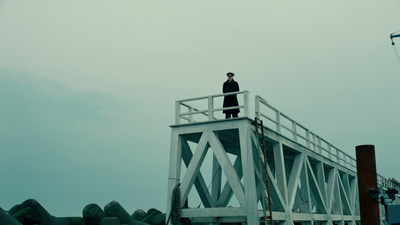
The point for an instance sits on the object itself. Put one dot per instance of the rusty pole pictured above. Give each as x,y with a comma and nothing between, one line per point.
367,185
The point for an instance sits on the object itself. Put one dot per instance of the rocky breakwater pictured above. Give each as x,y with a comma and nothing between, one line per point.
30,212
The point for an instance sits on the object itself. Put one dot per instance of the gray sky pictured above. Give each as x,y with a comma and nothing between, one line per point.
87,88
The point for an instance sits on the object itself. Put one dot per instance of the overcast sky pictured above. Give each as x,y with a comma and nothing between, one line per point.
87,88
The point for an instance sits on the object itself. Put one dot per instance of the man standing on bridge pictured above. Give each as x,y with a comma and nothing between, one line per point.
230,100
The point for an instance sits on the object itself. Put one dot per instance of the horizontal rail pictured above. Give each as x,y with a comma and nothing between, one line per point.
281,123
291,129
311,140
207,112
214,96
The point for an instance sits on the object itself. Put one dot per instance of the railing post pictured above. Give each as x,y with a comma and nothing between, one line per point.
329,151
246,103
338,156
319,147
177,112
294,127
278,121
191,115
308,138
210,108
315,146
257,107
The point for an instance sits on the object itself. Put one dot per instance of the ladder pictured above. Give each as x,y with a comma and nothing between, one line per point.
263,166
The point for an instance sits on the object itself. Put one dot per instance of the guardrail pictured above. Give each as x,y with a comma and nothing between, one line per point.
293,130
190,111
302,135
388,183
283,124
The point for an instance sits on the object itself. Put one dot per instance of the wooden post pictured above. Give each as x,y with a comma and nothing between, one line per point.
367,185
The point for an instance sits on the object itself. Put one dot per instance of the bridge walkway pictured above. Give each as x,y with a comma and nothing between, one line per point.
311,181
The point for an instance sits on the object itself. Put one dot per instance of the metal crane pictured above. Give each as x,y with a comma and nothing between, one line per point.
394,35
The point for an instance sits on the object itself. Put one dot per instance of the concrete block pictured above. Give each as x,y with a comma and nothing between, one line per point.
110,221
135,222
150,215
138,215
7,219
72,220
93,214
114,209
159,219
30,212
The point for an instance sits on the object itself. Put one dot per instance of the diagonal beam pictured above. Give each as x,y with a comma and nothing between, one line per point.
227,191
280,171
304,191
344,199
194,167
199,182
346,185
331,188
315,188
276,196
353,194
321,181
294,178
216,179
227,168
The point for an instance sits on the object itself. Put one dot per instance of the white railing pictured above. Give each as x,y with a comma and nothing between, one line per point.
387,183
301,135
289,128
185,110
284,125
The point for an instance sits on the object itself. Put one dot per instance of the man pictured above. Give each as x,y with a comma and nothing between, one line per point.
231,100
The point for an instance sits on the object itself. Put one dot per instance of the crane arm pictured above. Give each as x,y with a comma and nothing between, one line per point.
394,36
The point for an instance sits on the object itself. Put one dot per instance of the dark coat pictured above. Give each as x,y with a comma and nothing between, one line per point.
230,100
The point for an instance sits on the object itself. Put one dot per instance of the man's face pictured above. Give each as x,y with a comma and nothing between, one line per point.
230,77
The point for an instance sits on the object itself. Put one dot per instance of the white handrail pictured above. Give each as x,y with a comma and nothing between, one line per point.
330,151
283,125
299,133
209,112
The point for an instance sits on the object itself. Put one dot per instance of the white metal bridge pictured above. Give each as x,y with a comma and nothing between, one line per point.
311,181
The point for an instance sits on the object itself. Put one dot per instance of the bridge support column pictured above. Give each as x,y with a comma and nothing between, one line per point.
250,189
174,171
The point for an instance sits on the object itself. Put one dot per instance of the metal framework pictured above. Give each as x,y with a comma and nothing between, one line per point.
311,181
